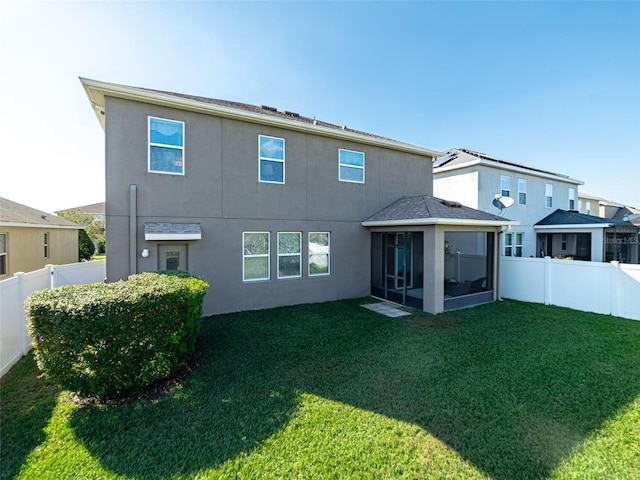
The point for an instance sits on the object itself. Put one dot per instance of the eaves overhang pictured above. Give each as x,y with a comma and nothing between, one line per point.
511,168
41,225
97,91
172,231
573,226
438,221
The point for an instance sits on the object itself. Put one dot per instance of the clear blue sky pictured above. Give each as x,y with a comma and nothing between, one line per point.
553,85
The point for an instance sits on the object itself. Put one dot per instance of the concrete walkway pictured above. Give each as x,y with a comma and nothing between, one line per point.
386,308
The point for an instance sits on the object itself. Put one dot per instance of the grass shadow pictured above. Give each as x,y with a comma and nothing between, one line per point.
512,387
26,403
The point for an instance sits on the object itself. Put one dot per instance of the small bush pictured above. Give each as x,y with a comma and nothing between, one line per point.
86,248
106,339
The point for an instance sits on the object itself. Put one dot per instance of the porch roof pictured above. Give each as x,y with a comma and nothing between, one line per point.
428,210
172,231
569,219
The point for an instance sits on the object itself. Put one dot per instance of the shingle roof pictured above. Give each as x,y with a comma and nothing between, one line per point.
94,208
169,227
16,213
565,217
425,207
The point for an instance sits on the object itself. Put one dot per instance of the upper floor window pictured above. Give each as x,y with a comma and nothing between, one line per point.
166,146
255,256
548,188
289,254
270,159
588,208
351,166
3,253
572,199
46,245
522,191
319,253
505,185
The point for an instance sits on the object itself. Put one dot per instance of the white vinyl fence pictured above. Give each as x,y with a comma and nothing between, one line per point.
609,288
14,340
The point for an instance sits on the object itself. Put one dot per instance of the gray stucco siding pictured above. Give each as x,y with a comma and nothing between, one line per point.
221,191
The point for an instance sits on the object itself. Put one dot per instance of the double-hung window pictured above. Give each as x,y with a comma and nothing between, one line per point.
319,253
3,253
548,188
513,244
166,146
270,159
505,185
46,245
522,191
351,166
255,256
289,254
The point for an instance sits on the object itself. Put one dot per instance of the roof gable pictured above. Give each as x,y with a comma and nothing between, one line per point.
566,217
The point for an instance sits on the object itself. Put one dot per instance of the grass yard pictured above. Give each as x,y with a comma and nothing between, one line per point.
505,391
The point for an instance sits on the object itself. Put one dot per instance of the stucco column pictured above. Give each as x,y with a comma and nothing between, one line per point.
433,270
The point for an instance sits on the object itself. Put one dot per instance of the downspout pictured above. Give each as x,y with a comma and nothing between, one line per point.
133,229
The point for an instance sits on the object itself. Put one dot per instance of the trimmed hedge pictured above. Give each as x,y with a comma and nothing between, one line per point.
108,338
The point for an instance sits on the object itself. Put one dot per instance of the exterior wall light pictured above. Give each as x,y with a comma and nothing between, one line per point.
144,253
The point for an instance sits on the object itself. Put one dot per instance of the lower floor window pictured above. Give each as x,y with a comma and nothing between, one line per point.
255,256
3,253
319,252
513,244
289,254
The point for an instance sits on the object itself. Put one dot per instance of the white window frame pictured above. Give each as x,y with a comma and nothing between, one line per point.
588,209
508,245
507,179
572,199
4,267
269,159
312,254
164,145
548,192
518,240
287,254
257,255
354,167
522,190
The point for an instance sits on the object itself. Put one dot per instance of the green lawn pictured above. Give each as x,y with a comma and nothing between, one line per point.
506,391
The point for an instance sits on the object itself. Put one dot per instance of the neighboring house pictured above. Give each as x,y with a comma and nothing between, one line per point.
475,179
599,207
589,237
274,208
95,209
31,239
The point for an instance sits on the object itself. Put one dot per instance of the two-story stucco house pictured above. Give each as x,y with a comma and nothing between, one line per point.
475,179
274,208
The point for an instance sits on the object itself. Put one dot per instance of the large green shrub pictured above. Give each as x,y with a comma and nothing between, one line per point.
86,248
106,339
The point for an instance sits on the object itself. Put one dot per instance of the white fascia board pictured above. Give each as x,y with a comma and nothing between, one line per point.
96,91
439,221
582,226
172,236
36,225
501,166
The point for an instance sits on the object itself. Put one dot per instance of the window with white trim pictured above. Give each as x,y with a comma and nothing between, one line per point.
3,253
588,208
351,166
513,244
255,256
572,199
166,146
505,185
270,159
289,254
46,245
319,253
548,189
522,191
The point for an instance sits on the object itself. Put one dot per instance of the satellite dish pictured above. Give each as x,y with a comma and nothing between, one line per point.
501,202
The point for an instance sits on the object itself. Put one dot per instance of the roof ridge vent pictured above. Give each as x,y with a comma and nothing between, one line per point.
451,203
267,107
